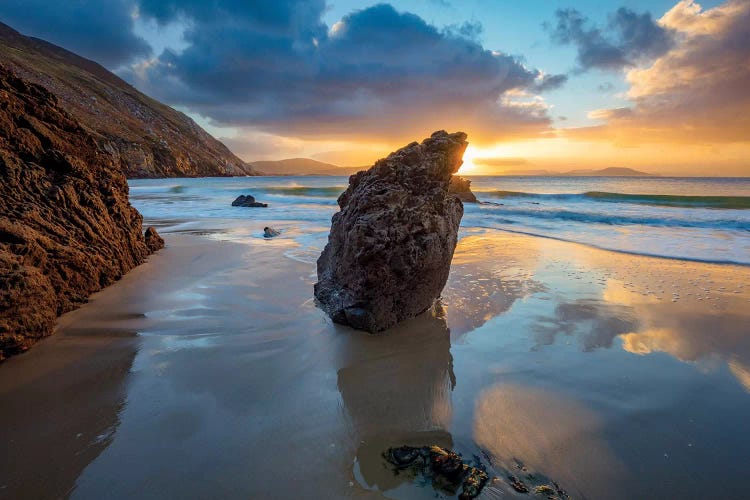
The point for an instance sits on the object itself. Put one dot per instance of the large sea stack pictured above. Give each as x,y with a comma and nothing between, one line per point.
66,226
390,247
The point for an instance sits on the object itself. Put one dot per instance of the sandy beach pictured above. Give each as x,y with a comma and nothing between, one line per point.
345,249
208,372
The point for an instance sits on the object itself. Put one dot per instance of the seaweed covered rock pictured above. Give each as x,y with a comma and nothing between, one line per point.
390,246
461,188
66,226
444,468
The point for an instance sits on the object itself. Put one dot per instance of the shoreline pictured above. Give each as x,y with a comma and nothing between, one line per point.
217,346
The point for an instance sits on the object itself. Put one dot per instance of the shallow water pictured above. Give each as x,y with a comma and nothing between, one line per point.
704,219
616,376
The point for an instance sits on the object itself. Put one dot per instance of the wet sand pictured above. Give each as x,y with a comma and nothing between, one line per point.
209,373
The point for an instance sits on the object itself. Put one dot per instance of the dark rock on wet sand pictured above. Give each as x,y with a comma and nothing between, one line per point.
247,201
461,188
390,247
154,242
445,469
66,226
269,232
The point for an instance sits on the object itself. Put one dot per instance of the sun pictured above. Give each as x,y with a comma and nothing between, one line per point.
468,166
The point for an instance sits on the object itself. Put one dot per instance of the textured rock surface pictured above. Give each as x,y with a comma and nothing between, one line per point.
461,188
443,468
66,226
148,138
247,201
390,247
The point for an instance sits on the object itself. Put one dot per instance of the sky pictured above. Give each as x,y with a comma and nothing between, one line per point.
659,86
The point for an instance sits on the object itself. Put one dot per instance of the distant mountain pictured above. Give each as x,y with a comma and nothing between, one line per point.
608,172
528,172
301,166
149,138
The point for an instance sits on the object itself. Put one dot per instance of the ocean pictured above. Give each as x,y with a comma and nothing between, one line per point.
701,219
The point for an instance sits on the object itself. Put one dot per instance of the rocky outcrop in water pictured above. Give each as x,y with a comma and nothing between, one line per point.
390,247
461,188
66,226
247,201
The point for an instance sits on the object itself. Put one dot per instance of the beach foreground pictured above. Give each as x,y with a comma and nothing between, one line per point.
208,372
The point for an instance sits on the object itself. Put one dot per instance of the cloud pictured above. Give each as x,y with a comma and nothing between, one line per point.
627,39
377,72
545,83
610,114
697,92
102,32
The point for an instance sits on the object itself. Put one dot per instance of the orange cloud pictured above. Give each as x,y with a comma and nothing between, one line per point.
695,92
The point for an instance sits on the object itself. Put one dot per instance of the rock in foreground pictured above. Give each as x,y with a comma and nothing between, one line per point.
444,468
66,226
390,247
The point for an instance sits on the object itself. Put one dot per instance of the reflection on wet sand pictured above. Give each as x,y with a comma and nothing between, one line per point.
480,288
59,409
62,403
396,389
695,313
237,386
594,322
707,338
547,433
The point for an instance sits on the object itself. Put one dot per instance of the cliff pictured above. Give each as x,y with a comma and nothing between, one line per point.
66,226
148,138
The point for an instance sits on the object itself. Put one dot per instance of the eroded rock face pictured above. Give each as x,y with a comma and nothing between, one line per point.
66,226
390,247
461,188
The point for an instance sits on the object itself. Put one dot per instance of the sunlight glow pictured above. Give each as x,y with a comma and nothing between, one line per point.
468,166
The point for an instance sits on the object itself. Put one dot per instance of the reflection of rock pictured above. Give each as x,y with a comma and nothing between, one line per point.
399,381
547,433
61,405
396,390
460,187
390,247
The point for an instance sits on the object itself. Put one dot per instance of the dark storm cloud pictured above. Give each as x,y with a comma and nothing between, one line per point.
377,71
276,66
628,38
94,29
